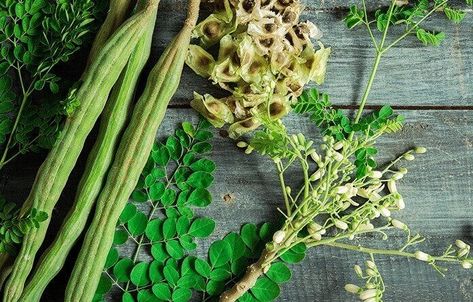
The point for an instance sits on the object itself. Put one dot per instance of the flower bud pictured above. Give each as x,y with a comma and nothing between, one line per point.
392,186
370,293
341,225
317,236
337,156
315,157
242,144
409,157
338,146
385,212
397,176
460,244
370,264
313,227
370,285
371,273
400,203
316,175
420,150
398,224
376,174
300,138
403,170
463,252
249,149
279,236
358,270
421,256
352,288
466,264
288,190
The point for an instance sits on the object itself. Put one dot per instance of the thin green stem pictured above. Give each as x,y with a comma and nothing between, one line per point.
408,32
368,26
283,188
368,250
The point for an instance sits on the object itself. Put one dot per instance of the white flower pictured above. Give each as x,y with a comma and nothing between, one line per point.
352,288
341,225
460,244
370,293
398,224
421,256
279,236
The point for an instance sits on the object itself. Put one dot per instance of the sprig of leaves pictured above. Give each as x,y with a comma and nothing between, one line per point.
409,14
14,226
36,35
159,220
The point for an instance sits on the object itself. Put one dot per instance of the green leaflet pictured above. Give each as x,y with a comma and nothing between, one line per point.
13,227
159,220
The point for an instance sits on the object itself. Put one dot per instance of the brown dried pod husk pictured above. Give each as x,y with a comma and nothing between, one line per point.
215,111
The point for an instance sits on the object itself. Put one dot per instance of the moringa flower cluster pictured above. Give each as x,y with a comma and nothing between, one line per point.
264,57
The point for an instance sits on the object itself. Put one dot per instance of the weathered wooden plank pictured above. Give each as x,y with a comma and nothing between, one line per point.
311,5
409,75
438,192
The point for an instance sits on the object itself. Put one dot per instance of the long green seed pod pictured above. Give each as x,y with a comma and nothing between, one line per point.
116,14
98,162
130,160
55,170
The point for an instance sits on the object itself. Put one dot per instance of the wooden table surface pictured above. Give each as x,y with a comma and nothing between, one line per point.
431,87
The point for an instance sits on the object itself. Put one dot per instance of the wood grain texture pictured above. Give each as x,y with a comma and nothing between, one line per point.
409,74
438,190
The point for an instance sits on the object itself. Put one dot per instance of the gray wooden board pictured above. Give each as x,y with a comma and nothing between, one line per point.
438,192
409,75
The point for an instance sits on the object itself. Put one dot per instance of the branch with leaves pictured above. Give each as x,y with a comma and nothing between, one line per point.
37,35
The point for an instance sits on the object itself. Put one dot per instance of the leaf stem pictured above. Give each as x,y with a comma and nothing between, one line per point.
368,250
416,24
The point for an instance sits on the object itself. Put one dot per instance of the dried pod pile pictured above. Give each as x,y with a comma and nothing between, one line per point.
264,56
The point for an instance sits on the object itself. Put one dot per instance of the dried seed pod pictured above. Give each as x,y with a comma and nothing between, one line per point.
215,111
200,61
